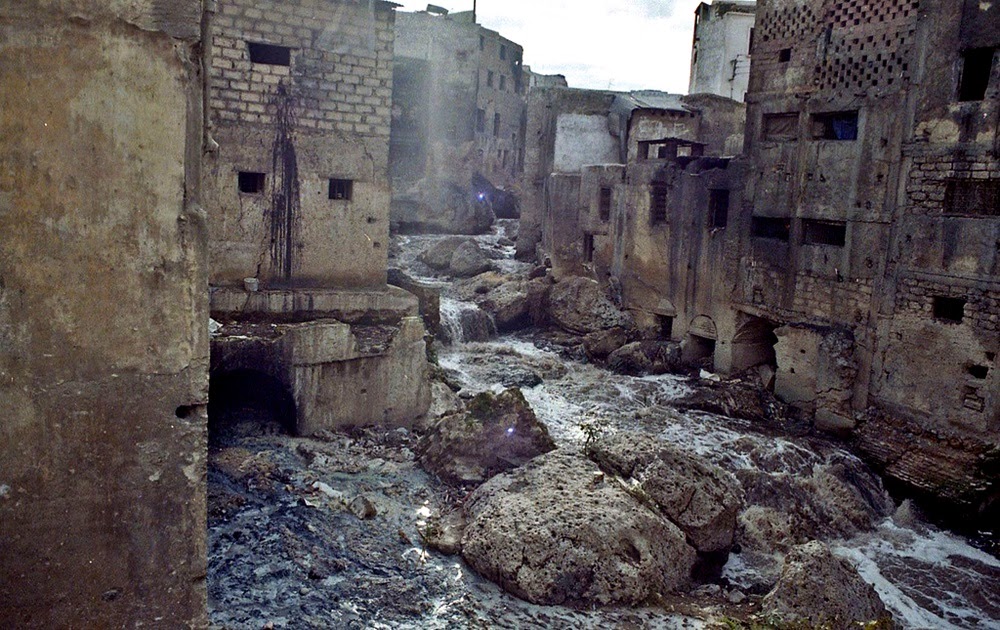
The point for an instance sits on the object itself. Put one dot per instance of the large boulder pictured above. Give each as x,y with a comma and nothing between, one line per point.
697,496
558,530
579,305
602,343
497,432
647,357
438,256
820,590
508,303
468,260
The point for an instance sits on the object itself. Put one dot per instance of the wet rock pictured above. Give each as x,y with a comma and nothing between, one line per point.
737,399
559,531
362,507
444,534
700,498
444,402
438,256
603,342
647,357
496,433
509,306
822,590
467,260
579,305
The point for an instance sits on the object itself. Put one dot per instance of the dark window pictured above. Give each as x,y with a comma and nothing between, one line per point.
503,82
604,204
496,124
770,227
341,189
785,55
977,63
750,43
824,232
972,196
270,54
835,126
489,78
480,120
666,326
978,371
251,183
588,247
503,51
948,309
482,43
718,208
658,204
780,126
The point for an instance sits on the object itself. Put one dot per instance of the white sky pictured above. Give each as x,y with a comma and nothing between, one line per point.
598,44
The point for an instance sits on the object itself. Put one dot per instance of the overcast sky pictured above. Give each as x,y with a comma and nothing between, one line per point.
599,44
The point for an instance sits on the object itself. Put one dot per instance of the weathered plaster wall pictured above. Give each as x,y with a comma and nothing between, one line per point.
103,311
583,139
324,116
720,59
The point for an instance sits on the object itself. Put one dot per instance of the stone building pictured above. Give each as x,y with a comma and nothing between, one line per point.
297,192
103,309
720,55
457,147
871,216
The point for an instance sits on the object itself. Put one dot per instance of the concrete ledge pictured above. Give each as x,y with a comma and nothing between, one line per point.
383,305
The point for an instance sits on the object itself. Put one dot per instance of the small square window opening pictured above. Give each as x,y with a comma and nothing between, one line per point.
718,208
341,189
270,54
251,183
948,309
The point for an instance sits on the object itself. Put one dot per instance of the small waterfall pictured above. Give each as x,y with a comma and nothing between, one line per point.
462,321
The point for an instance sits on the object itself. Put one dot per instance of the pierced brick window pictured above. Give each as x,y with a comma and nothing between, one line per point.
480,120
771,227
341,189
503,51
503,82
496,124
251,183
780,126
833,233
489,78
658,204
972,196
977,64
604,204
718,208
270,54
785,55
835,126
948,309
482,43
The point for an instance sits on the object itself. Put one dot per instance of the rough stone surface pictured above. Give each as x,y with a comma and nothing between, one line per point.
603,342
647,357
558,530
438,256
509,305
497,433
823,590
700,498
580,306
468,260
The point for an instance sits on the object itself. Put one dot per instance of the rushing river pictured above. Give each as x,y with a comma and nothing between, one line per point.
927,577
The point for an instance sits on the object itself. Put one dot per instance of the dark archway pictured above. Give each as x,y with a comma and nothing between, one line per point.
245,402
754,343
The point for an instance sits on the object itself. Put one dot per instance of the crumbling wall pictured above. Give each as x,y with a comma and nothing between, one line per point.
315,126
103,315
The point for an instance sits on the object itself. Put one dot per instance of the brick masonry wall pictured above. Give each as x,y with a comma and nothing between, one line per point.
340,72
930,173
915,296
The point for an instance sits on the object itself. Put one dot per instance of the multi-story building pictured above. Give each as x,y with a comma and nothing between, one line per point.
457,146
297,194
720,56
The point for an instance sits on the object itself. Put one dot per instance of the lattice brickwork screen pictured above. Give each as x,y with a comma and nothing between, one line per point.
789,24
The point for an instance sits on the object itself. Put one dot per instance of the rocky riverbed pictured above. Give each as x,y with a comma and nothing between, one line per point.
345,529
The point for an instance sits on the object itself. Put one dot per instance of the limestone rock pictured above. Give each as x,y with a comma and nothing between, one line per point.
741,400
579,305
822,590
467,260
602,343
438,256
508,303
647,357
558,530
700,498
496,433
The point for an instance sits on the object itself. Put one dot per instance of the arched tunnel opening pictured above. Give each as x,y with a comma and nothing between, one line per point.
244,403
